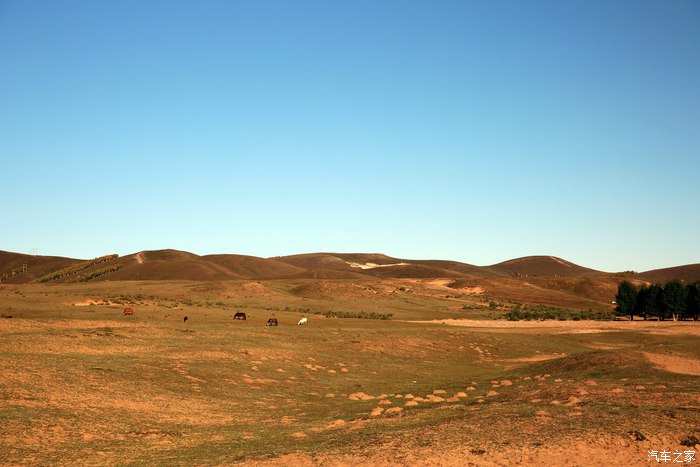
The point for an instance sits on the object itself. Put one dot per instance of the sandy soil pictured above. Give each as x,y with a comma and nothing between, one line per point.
674,363
605,450
661,327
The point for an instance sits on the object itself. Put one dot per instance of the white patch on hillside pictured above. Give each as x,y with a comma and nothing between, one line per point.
560,261
373,265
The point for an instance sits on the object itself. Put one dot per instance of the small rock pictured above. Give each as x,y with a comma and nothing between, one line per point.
640,387
410,404
461,394
491,393
573,401
330,394
385,402
471,388
590,382
299,434
376,411
506,382
439,391
394,410
618,390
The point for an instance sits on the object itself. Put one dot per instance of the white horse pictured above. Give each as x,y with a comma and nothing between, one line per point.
302,322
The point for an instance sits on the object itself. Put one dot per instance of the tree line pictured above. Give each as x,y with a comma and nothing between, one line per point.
674,300
73,269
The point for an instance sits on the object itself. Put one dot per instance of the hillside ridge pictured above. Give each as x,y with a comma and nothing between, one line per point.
171,264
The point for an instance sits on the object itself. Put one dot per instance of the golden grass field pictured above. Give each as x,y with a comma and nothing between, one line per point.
440,383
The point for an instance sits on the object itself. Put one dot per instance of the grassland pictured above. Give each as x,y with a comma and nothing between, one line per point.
83,384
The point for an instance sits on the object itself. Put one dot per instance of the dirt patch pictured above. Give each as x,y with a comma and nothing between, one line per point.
674,363
607,450
579,327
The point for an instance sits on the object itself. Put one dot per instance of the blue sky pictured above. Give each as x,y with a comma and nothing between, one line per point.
476,131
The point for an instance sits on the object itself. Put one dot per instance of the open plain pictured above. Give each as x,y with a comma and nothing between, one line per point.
440,382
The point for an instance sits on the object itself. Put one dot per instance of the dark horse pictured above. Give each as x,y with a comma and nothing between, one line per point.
239,315
272,322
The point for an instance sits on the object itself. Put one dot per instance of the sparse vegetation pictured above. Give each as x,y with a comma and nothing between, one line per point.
358,314
95,274
75,268
256,393
12,273
543,312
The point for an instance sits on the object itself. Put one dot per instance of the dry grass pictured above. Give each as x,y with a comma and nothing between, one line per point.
87,385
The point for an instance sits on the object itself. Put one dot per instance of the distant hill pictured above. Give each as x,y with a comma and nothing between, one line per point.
37,266
382,266
169,264
541,266
688,273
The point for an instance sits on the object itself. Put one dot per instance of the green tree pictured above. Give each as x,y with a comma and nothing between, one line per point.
653,300
692,300
673,299
625,298
641,303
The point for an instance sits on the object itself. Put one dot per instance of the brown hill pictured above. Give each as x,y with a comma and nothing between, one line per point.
182,265
541,266
383,266
316,261
37,266
688,273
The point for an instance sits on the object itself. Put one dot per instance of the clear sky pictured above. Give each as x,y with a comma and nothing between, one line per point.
476,131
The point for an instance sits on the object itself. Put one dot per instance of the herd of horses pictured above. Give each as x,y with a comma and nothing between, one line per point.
239,315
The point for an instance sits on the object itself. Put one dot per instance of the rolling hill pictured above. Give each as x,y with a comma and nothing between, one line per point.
688,273
541,266
535,279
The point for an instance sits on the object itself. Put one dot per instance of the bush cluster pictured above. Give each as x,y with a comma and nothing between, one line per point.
542,312
94,274
360,314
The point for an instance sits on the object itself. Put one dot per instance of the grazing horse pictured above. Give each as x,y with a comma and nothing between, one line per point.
272,322
302,322
239,315
128,311
185,320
